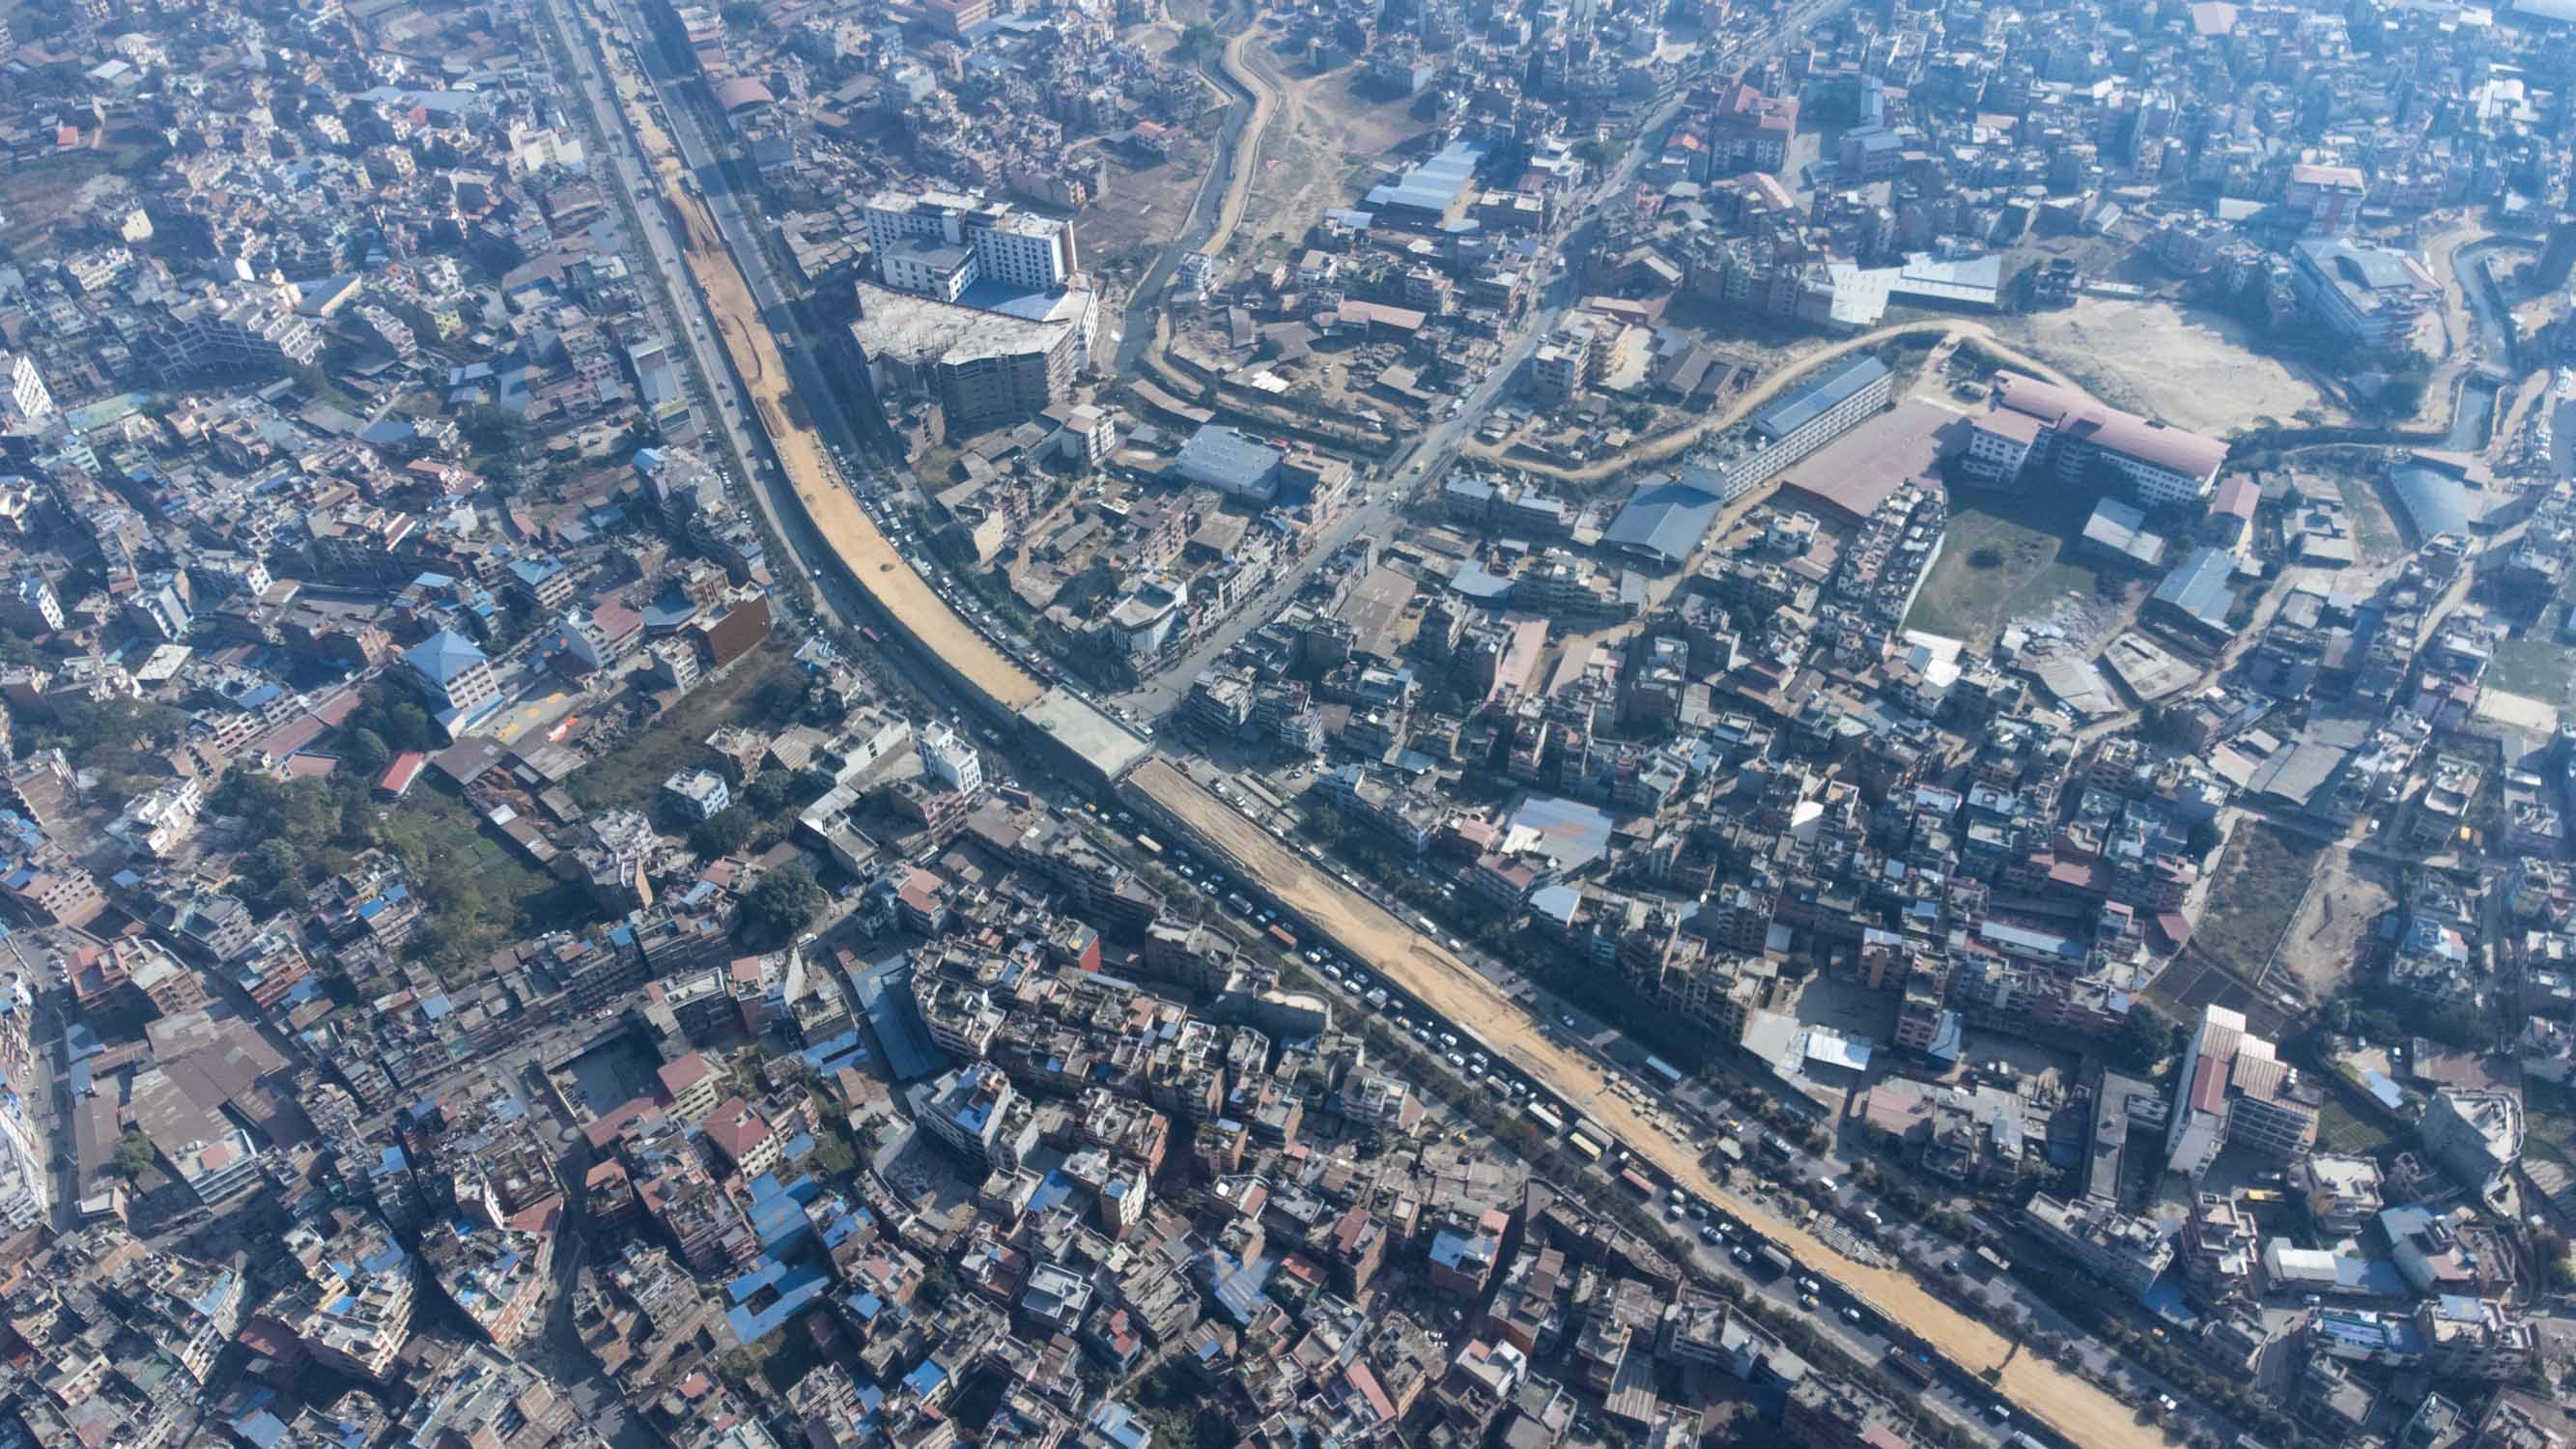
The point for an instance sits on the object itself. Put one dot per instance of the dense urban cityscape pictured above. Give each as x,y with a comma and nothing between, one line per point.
1147,724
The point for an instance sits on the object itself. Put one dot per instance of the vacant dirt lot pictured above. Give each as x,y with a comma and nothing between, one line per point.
2260,880
1368,934
1146,205
2324,939
1329,133
2180,364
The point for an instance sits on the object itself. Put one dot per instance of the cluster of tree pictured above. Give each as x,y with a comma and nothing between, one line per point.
762,817
784,902
2388,1013
119,739
2142,1041
307,832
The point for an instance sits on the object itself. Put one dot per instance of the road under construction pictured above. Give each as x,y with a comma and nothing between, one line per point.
1441,983
1409,959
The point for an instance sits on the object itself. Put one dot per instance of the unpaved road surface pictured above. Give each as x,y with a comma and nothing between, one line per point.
1761,393
864,550
1411,960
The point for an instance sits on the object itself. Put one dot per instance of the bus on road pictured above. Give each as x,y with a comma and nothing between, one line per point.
1663,1071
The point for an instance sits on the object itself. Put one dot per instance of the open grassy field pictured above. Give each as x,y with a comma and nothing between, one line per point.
2372,528
2339,1129
2260,884
498,897
2537,666
2007,556
632,774
2549,1120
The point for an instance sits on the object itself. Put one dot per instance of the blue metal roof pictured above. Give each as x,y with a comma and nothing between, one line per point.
2435,502
2200,587
1665,521
443,656
1828,392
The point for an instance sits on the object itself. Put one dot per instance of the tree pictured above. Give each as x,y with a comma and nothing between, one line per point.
773,791
271,865
2140,1040
2204,837
368,754
134,1154
784,901
1196,41
722,833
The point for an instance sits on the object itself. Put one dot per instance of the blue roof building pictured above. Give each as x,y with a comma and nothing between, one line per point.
2198,592
1231,463
1662,525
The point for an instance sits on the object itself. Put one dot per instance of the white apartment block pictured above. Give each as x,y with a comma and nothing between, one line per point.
952,758
939,243
30,401
2235,1089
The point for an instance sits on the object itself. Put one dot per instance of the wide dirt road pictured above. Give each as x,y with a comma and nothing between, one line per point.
1367,933
1666,445
864,550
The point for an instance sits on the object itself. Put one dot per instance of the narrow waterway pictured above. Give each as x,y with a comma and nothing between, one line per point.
1143,303
2475,415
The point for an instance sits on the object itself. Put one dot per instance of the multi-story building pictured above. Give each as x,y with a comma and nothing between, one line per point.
352,1311
692,1085
2343,1193
2034,425
2218,1249
2473,1338
454,673
2475,1134
951,757
968,1109
2125,1252
1749,131
2234,1088
1799,424
28,401
941,243
700,794
2370,295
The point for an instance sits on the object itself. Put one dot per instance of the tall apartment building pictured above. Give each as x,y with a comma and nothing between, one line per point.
952,757
2368,294
2475,1134
2036,428
245,328
941,243
1806,420
2234,1088
983,365
29,401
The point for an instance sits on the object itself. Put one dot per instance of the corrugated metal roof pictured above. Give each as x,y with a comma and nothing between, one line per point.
1835,387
